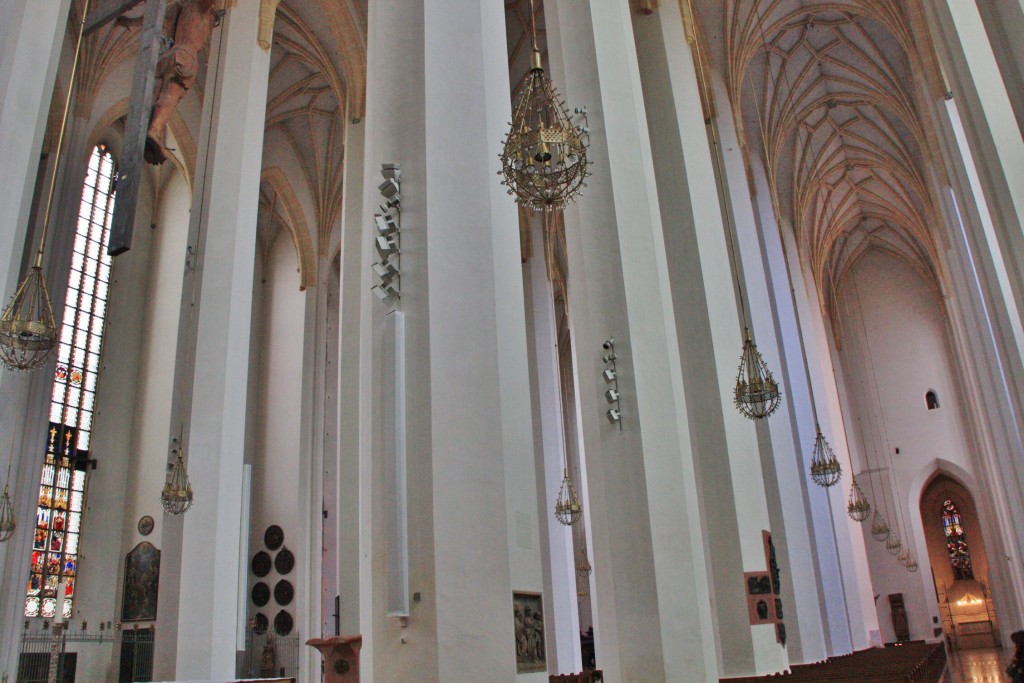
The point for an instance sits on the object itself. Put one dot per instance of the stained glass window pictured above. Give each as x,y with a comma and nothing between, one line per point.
956,543
62,486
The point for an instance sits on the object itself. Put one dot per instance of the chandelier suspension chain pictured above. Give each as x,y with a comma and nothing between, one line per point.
756,393
60,137
712,128
902,530
876,436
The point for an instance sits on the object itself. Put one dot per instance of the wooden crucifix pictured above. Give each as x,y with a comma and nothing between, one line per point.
162,78
137,122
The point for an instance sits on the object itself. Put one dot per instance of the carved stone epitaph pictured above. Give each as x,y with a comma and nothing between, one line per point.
528,612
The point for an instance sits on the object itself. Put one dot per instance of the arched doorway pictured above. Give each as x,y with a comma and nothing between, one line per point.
956,553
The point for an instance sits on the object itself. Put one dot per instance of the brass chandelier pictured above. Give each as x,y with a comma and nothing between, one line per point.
756,393
543,158
825,467
28,332
7,523
858,508
567,505
894,545
879,528
176,496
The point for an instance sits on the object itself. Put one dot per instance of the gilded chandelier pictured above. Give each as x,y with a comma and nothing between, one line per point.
177,494
757,393
825,468
7,523
28,333
894,545
567,505
879,528
858,508
543,159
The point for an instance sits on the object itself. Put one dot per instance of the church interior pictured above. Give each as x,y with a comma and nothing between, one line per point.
634,341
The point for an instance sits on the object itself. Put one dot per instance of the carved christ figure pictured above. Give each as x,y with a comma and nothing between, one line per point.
189,24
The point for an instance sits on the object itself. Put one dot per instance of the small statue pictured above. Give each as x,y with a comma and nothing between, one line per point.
188,24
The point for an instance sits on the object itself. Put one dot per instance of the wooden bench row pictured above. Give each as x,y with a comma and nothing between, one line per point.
909,663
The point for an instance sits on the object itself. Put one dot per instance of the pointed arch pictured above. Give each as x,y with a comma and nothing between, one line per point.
295,222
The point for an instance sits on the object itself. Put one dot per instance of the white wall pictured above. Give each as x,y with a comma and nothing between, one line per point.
276,481
893,348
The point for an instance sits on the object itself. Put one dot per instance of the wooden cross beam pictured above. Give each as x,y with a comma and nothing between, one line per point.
137,123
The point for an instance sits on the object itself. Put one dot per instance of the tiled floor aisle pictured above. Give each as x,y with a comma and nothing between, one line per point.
978,666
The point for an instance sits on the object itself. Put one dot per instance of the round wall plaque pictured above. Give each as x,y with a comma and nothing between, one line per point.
283,623
273,537
261,594
284,592
260,624
261,564
284,562
146,525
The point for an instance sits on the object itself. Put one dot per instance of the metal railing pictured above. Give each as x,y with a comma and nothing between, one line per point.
130,653
268,655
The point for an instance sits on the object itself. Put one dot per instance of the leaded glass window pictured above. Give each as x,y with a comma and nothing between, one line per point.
62,488
956,542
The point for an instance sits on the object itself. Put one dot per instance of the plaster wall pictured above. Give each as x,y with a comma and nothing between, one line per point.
894,348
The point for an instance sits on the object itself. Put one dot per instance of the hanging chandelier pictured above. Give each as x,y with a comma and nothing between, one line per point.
7,523
28,333
858,508
177,494
583,571
567,506
879,528
912,565
904,558
894,545
825,468
543,158
757,393
583,568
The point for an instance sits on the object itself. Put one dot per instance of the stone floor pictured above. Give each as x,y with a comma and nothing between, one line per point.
978,666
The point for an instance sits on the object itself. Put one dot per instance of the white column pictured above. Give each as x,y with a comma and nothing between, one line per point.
650,582
353,269
438,104
1004,24
207,597
818,616
707,315
997,150
31,36
563,620
985,159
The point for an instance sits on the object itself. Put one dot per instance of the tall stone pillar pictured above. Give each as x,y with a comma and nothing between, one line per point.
438,104
199,626
702,254
650,586
985,153
352,271
31,37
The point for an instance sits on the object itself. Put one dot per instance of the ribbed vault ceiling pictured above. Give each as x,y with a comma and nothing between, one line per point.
826,96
